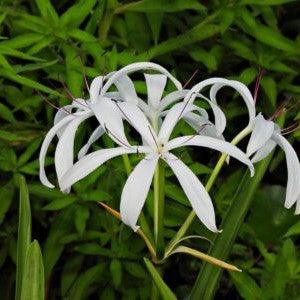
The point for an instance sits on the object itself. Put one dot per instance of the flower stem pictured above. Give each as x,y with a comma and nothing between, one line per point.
158,206
187,223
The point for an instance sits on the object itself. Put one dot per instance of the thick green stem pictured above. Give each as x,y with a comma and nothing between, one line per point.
187,223
158,207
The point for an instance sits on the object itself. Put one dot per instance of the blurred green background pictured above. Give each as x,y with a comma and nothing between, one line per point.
45,45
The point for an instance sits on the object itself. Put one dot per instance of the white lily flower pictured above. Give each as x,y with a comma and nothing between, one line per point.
264,138
158,147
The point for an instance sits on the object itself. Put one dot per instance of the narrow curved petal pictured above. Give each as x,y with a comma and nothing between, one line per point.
64,152
261,133
110,118
172,118
139,121
89,163
155,87
293,168
61,114
48,138
202,125
96,134
212,143
126,89
264,151
171,98
136,190
195,191
242,90
95,88
137,67
219,83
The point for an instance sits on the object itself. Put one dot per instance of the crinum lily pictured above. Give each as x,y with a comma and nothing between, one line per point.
68,118
264,138
157,146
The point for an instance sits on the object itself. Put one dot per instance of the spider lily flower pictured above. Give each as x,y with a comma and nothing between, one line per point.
264,138
158,147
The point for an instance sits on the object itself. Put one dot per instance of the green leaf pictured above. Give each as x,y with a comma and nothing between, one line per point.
5,64
267,35
116,272
265,2
47,11
24,235
208,277
245,285
70,271
160,6
30,150
164,290
22,40
6,196
270,88
293,230
82,284
6,114
198,33
248,75
60,203
33,285
76,14
81,35
28,82
81,216
16,53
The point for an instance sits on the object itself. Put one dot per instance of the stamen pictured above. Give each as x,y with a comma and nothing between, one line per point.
190,79
290,128
184,107
51,104
154,139
257,83
70,94
114,136
122,111
197,132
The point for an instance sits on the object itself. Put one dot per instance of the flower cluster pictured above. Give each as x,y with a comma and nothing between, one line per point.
113,100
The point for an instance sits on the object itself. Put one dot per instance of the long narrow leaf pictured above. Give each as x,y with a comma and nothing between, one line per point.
164,290
33,286
208,278
24,234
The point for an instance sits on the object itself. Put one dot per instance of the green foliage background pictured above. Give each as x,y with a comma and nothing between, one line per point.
86,253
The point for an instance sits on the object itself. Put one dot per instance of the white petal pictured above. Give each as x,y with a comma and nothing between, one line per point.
64,152
96,134
202,125
173,116
195,191
155,87
261,133
50,135
212,143
171,98
293,167
136,67
219,83
110,118
136,190
89,163
60,114
95,88
139,121
264,151
242,90
126,89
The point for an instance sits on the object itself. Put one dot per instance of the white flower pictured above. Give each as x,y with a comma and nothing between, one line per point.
158,146
264,138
